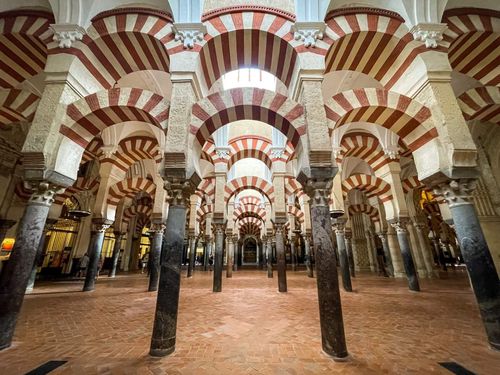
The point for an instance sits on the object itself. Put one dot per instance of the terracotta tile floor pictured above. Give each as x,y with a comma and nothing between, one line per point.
249,328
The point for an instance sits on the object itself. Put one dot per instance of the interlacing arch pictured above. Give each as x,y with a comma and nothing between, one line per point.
24,35
17,106
222,108
473,36
203,211
296,212
247,36
251,182
129,188
365,147
409,119
482,104
367,209
370,41
372,186
141,207
123,41
141,222
131,150
89,116
81,184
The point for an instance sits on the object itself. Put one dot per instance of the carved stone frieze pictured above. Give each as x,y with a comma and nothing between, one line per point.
189,33
429,33
67,34
308,32
457,192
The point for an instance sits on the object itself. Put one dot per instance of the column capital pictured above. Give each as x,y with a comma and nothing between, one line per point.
400,224
382,235
319,191
179,191
157,228
100,225
456,192
43,192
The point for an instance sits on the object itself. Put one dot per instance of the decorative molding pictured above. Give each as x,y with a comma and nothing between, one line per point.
364,10
308,32
43,192
391,152
429,33
247,8
223,152
66,34
457,192
277,152
134,10
470,11
189,33
400,225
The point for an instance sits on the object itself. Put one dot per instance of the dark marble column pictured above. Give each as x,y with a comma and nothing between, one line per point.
230,256
156,231
387,253
218,259
269,257
5,225
476,254
116,253
281,259
404,244
99,227
307,248
350,256
208,249
167,303
330,307
39,254
236,253
293,253
339,225
15,275
192,255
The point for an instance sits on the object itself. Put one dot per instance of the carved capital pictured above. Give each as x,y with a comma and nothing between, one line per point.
223,152
457,192
100,225
157,228
218,228
67,34
429,33
43,192
308,32
179,192
277,152
339,226
319,191
189,33
400,225
382,236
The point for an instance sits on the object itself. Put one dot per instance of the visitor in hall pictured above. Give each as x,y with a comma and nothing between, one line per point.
381,262
82,266
144,262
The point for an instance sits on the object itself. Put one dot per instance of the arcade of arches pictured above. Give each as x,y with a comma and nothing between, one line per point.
327,139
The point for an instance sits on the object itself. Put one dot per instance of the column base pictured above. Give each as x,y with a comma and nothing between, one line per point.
161,352
153,289
494,346
88,289
338,358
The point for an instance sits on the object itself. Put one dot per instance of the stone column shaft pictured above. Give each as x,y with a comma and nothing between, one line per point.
426,250
116,253
293,254
387,253
15,275
395,251
281,260
269,258
219,260
192,256
477,256
94,252
167,304
230,257
155,256
307,250
416,251
409,266
344,261
350,255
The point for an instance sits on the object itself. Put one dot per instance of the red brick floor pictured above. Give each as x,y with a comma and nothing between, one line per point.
250,328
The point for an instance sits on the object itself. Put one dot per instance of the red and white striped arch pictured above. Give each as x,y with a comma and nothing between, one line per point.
122,41
482,104
371,41
17,105
130,188
24,35
250,200
292,186
365,147
142,221
81,184
296,212
251,182
371,211
406,117
133,149
203,211
473,37
247,36
249,210
206,188
372,186
137,209
89,116
250,220
411,183
222,108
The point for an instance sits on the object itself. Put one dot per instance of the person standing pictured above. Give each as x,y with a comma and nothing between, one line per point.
82,265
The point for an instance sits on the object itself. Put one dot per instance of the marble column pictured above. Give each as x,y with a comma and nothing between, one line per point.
99,227
39,254
280,255
230,256
5,225
192,255
116,253
387,253
476,254
426,250
219,253
15,275
371,255
269,257
416,251
156,231
307,249
350,255
167,303
396,257
343,258
208,249
404,245
330,307
293,253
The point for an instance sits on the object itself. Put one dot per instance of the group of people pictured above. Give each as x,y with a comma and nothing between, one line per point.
83,264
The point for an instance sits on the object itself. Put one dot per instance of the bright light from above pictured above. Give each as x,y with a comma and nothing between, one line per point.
249,77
